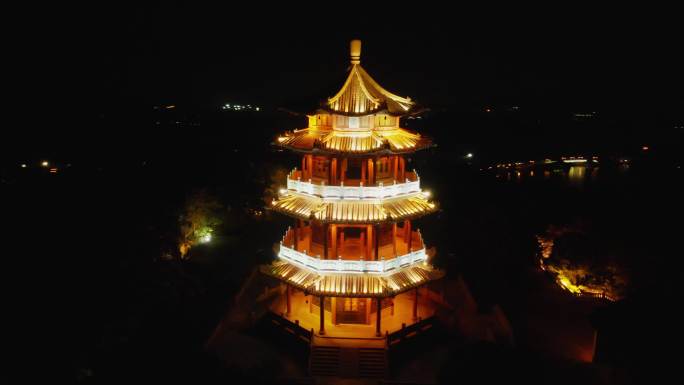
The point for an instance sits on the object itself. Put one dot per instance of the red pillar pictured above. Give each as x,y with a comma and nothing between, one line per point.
376,233
415,305
410,236
394,238
396,167
304,167
325,240
377,319
322,317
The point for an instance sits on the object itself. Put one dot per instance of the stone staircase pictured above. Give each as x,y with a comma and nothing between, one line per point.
324,361
372,363
348,362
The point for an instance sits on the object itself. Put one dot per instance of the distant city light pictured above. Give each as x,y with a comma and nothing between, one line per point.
469,155
45,163
645,148
23,165
205,238
240,107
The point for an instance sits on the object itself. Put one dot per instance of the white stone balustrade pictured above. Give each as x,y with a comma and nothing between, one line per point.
352,192
351,266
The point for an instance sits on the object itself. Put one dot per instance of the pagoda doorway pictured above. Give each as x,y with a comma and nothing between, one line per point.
351,311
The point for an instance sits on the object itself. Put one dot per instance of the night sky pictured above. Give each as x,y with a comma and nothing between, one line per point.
164,53
83,81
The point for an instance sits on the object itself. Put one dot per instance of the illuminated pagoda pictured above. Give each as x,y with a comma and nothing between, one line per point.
352,251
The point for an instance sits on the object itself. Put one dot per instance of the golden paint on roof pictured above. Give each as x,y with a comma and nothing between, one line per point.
306,207
394,140
350,284
360,94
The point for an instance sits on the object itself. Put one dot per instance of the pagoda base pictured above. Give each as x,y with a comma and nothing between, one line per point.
304,310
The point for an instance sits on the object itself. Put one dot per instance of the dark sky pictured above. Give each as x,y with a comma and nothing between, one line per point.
119,55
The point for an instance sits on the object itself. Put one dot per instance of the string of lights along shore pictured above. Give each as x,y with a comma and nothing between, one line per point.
352,252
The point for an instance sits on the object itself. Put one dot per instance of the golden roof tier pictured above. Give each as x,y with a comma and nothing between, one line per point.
361,95
352,285
351,211
361,119
373,141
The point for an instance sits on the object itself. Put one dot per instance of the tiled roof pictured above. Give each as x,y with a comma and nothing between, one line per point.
395,140
360,94
352,285
354,211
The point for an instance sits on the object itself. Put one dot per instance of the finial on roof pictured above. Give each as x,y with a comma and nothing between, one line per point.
355,51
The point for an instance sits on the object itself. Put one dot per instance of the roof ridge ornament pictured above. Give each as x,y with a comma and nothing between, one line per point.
355,51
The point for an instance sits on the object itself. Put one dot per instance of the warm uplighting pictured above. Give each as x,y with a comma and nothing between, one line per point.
353,201
360,94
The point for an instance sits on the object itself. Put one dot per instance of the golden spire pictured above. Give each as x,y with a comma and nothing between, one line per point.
355,51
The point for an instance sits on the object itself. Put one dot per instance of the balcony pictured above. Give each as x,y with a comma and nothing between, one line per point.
354,255
353,188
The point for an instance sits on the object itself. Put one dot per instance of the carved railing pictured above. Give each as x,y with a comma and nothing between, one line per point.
381,266
411,184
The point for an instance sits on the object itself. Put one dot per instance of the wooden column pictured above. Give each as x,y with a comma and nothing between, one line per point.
378,318
295,238
288,294
415,305
369,242
368,301
363,245
394,238
304,167
371,172
322,317
396,167
410,236
325,240
363,173
402,163
333,238
377,242
333,171
375,171
309,165
343,176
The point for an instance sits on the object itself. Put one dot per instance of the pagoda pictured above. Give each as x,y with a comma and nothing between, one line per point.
352,250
